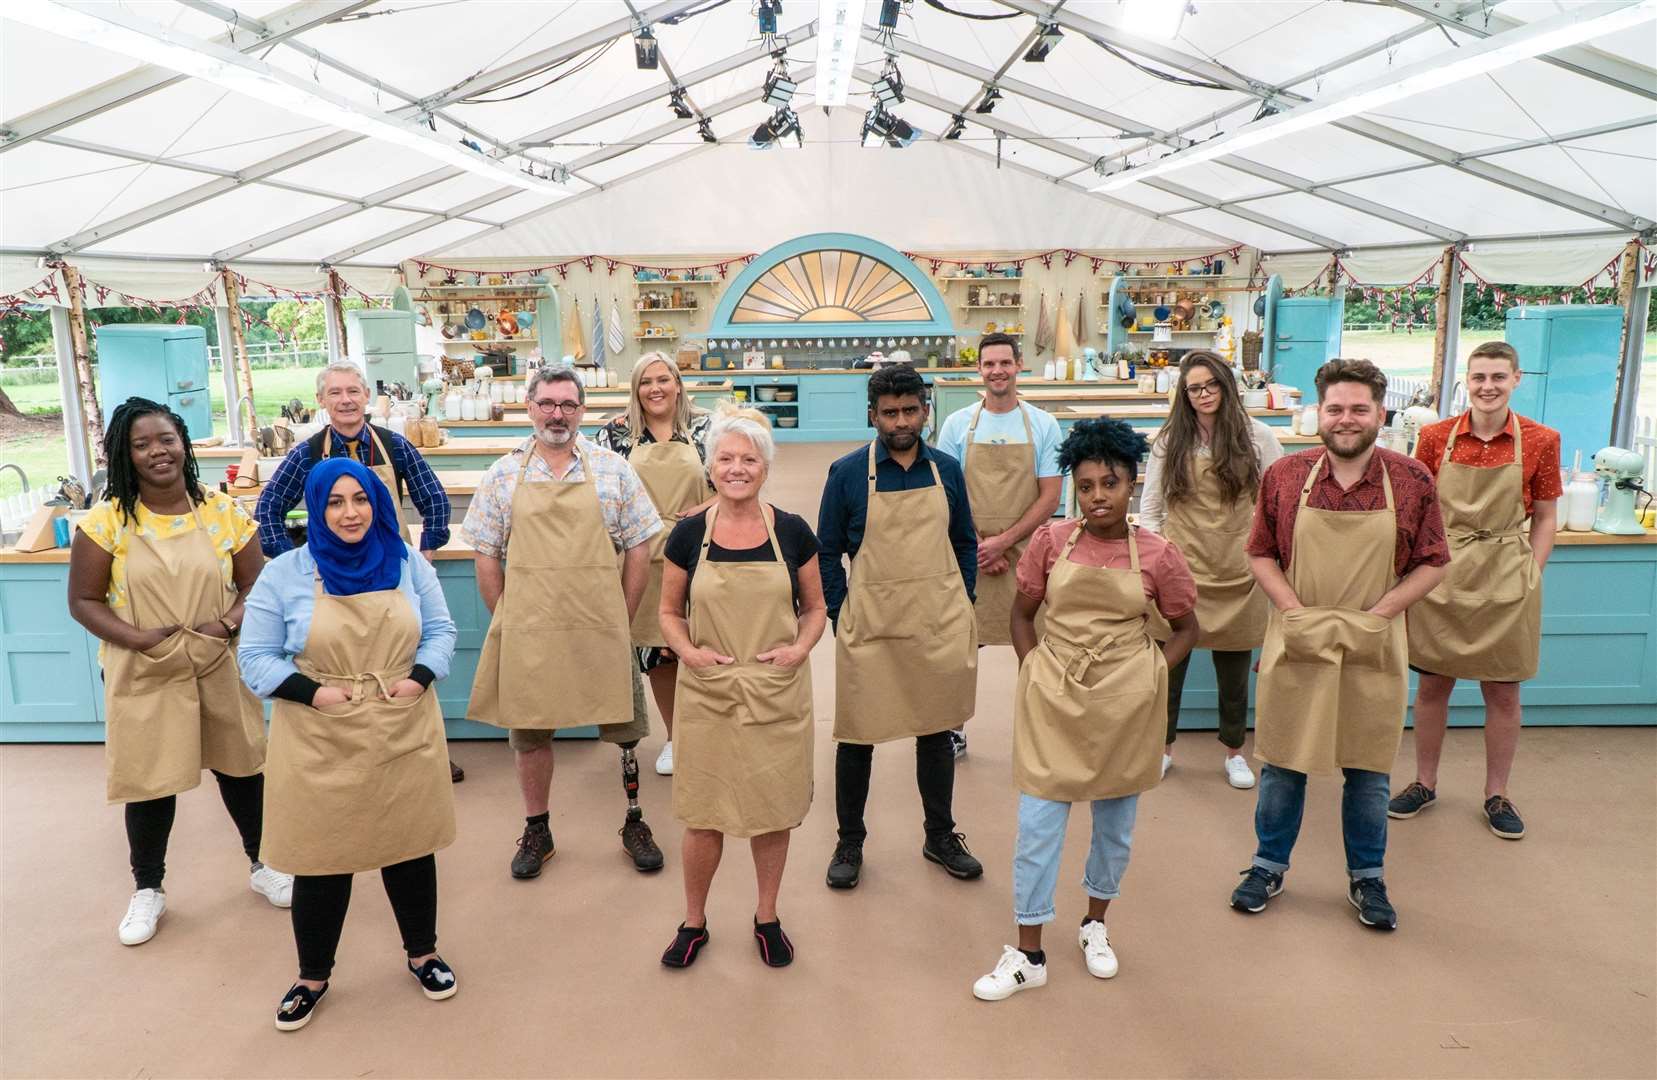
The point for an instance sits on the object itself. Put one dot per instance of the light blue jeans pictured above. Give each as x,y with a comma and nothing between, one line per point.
1041,826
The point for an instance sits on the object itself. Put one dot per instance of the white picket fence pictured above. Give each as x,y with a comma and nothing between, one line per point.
15,509
1400,391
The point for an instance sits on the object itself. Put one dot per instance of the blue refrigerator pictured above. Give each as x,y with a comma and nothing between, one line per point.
1568,360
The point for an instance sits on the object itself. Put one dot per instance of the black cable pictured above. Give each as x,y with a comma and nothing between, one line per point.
1200,84
938,4
583,65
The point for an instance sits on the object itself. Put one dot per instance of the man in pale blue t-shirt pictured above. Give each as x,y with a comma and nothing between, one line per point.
1010,453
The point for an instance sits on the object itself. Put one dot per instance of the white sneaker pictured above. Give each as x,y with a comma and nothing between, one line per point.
664,760
1095,943
1013,972
1167,763
1238,773
144,911
273,885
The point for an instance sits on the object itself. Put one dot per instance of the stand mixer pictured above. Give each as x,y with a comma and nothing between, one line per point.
1622,470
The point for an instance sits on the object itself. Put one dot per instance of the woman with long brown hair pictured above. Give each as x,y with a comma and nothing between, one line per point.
1200,486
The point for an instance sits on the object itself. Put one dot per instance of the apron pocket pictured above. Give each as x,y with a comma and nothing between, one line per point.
565,598
893,610
1370,642
148,672
1310,635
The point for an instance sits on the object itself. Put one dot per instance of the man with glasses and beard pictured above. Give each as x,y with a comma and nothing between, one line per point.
556,511
1345,539
906,640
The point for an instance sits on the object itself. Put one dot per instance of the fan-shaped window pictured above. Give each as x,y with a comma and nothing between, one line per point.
830,287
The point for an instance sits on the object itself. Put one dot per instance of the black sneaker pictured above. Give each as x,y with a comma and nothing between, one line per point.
1369,896
774,947
1258,886
436,979
534,849
950,852
456,773
298,1004
958,744
846,868
638,842
1411,801
687,943
1504,818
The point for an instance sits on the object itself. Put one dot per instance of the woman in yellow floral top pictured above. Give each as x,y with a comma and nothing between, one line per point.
157,573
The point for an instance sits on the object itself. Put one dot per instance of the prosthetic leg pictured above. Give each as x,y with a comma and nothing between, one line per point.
636,838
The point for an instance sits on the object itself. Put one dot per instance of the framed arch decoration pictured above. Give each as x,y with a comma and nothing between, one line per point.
831,285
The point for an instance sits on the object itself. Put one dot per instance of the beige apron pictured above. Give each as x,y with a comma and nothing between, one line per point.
1001,485
742,732
558,652
906,654
1484,621
1092,703
1333,677
386,472
365,784
1213,537
673,477
180,707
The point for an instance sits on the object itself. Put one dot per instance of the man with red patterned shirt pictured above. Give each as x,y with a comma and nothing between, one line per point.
1345,540
1495,470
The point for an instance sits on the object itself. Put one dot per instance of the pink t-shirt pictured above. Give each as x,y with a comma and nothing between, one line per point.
1168,582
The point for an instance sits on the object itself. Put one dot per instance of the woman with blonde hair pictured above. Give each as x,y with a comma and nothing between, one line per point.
1200,486
741,606
663,437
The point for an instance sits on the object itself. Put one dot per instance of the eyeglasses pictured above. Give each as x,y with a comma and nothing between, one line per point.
547,407
1198,390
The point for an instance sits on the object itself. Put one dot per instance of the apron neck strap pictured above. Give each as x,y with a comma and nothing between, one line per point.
1311,479
529,453
1512,422
1133,545
936,480
765,516
1023,414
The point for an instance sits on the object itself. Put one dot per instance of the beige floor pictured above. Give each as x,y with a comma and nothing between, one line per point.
1529,959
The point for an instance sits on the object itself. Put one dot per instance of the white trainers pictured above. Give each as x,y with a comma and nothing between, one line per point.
664,760
1237,772
144,911
1013,972
1095,943
1167,763
273,885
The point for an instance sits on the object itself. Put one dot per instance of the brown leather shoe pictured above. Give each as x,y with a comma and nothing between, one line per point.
638,842
456,773
534,849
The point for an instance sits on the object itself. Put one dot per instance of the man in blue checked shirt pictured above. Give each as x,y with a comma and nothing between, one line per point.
343,391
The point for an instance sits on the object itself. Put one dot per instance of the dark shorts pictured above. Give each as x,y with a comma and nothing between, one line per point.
651,657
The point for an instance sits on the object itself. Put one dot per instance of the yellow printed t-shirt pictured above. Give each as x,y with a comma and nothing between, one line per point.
228,525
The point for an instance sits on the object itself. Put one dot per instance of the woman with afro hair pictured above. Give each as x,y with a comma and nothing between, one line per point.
1091,705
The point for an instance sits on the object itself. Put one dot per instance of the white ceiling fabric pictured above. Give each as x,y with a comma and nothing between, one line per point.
1563,158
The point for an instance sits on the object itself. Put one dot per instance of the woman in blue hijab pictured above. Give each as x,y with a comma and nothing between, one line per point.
346,634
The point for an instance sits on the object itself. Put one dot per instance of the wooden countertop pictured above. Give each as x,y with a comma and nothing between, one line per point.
458,548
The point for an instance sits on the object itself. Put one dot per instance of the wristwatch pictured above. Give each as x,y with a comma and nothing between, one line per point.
230,630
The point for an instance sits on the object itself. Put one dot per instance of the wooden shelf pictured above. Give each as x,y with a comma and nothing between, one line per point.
491,341
986,277
468,288
646,310
992,307
654,337
1148,333
666,284
1227,279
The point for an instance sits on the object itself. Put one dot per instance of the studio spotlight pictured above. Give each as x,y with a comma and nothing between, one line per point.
783,123
644,49
987,104
779,88
957,124
677,103
1047,40
889,87
880,126
704,128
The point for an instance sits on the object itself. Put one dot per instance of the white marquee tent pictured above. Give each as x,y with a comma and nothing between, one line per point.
1540,169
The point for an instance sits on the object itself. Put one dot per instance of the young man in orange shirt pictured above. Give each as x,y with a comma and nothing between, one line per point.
1496,471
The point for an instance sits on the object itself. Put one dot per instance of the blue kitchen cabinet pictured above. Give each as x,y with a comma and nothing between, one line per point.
162,362
1305,334
49,685
1568,360
381,341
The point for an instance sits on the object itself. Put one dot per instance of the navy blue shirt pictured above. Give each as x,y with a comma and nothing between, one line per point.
845,509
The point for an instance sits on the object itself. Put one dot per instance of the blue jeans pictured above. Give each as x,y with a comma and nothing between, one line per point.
1363,819
1041,825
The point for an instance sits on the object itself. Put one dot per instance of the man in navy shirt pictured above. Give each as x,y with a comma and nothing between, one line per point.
906,640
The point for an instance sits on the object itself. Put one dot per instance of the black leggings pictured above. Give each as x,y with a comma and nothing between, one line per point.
319,905
150,823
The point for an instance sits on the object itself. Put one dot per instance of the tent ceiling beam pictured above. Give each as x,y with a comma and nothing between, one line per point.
550,135
384,197
1582,60
1358,125
230,15
602,154
134,84
673,83
1210,203
1469,243
1076,154
1006,65
1124,123
486,199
